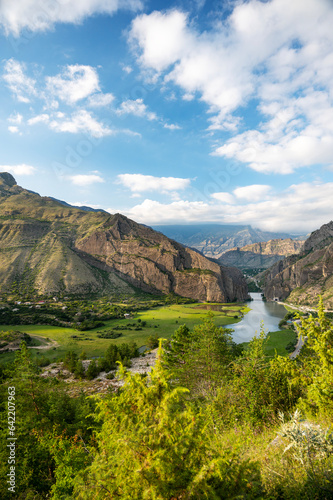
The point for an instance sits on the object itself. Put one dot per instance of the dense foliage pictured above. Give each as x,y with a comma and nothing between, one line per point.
212,421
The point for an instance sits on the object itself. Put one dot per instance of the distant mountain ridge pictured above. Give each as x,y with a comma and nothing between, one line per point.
261,255
213,240
301,278
47,247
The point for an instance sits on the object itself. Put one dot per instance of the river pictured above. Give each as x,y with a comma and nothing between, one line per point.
270,313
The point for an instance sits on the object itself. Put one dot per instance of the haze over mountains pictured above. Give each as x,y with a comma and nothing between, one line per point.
49,248
215,239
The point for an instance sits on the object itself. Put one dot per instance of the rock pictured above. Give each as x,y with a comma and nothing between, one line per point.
300,279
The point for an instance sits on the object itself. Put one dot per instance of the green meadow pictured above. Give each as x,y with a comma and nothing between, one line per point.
162,321
276,342
54,341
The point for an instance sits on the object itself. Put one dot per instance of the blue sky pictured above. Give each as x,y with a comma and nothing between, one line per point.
172,112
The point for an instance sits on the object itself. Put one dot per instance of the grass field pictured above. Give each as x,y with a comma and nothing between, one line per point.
277,342
162,321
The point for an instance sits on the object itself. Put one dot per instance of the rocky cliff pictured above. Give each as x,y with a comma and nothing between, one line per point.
47,247
301,278
261,255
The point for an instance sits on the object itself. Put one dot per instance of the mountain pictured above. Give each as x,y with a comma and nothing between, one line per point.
215,239
261,255
49,248
301,278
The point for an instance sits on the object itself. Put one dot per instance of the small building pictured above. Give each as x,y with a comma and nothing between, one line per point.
127,316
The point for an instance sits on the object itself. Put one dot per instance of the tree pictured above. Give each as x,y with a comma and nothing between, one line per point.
317,358
200,358
154,446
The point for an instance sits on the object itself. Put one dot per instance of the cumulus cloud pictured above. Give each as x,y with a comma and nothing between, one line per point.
278,54
84,180
137,108
15,118
298,209
40,16
21,169
100,100
18,82
139,183
76,82
172,126
255,192
43,118
80,121
13,129
224,197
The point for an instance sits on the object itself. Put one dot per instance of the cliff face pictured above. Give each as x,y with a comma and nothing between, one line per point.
261,255
300,279
50,248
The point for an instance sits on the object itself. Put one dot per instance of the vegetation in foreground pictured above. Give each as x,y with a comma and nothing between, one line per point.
212,421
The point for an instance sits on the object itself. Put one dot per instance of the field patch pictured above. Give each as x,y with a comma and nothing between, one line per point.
160,321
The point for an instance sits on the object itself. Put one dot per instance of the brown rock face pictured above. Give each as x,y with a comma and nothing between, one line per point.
301,278
261,255
49,248
149,260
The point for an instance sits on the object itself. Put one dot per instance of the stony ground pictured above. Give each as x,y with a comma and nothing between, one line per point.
100,384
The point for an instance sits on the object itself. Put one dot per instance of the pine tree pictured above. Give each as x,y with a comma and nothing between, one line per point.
153,446
317,361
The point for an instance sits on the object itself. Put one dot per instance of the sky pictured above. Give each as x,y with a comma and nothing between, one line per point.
173,112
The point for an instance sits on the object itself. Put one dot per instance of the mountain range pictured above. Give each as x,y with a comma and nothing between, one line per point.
47,247
213,240
261,255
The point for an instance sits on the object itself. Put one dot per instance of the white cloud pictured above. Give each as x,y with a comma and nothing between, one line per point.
15,118
13,129
139,183
21,169
100,100
18,82
76,82
43,118
255,192
136,108
85,204
279,53
80,121
37,15
224,198
299,209
172,126
84,180
127,69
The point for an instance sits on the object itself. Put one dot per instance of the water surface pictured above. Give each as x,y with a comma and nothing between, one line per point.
270,313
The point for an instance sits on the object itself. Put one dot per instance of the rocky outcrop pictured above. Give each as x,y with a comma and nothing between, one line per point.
302,278
261,255
47,247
